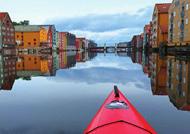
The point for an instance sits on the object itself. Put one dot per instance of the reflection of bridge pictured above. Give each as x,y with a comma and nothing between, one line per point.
110,49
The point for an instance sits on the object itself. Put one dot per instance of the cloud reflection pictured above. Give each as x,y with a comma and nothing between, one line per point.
96,75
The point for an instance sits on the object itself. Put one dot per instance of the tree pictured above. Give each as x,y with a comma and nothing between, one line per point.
25,22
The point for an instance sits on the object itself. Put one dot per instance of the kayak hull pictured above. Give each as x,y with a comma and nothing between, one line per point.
122,120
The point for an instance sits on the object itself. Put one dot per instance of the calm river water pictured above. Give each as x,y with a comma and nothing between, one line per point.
60,94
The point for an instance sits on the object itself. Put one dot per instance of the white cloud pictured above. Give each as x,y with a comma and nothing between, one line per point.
106,28
109,37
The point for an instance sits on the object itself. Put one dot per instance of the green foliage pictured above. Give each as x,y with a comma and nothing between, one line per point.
25,22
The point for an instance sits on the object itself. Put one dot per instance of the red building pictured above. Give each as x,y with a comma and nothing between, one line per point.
7,31
151,33
79,43
61,45
139,57
62,60
134,42
78,57
147,36
140,41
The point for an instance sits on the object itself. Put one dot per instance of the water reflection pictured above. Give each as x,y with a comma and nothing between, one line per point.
7,71
25,66
178,82
169,76
57,92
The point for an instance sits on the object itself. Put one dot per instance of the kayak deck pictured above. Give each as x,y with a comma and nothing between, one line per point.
119,128
118,116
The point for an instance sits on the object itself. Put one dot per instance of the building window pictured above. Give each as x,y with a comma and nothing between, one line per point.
29,43
187,6
184,80
186,21
174,14
7,23
34,39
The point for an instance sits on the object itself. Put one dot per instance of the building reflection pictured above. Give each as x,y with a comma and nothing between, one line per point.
169,76
159,75
32,65
178,85
7,71
25,66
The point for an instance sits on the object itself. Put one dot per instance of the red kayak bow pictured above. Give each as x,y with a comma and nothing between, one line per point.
118,116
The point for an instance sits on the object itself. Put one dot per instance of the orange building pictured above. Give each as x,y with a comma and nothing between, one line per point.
33,64
31,36
178,82
160,22
158,75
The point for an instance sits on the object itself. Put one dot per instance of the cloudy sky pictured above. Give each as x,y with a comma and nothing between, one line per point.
105,21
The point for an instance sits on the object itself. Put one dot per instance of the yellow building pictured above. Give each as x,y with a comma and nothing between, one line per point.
178,82
65,38
44,66
160,24
30,36
179,24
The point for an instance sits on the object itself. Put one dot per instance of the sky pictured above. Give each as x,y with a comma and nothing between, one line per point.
104,21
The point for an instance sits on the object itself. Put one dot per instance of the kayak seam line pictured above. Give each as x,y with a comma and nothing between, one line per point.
117,122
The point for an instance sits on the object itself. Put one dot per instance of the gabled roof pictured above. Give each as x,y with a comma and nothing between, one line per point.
27,28
64,32
163,7
80,38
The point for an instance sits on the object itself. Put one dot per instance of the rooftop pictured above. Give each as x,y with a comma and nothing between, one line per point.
2,15
163,7
27,28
